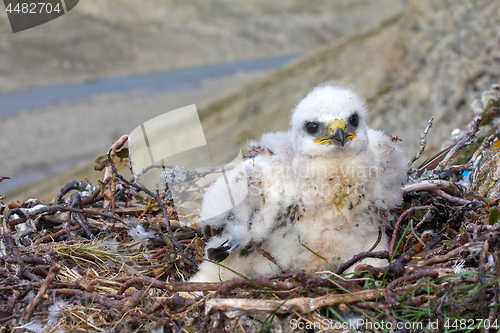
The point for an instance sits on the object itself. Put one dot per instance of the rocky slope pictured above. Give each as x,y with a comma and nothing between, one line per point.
122,37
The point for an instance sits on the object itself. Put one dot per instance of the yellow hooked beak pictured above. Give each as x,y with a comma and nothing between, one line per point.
335,133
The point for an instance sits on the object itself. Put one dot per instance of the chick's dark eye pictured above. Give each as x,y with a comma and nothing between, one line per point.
354,120
311,127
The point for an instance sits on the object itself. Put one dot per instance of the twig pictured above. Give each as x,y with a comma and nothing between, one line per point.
399,266
241,282
6,230
452,199
395,269
224,288
465,141
52,209
103,300
422,221
491,317
41,293
108,171
17,221
54,236
172,287
160,203
26,260
174,301
408,255
79,217
400,219
94,197
379,238
91,212
160,252
164,322
11,302
361,256
74,185
423,143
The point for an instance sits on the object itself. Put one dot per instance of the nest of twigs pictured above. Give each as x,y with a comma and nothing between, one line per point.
73,266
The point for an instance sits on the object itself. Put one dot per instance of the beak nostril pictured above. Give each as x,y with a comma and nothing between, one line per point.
340,136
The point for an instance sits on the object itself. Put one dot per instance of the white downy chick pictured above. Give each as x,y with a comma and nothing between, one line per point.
325,186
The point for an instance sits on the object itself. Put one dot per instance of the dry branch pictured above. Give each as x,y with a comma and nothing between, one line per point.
380,255
432,185
452,199
172,287
423,143
42,292
464,142
300,304
108,171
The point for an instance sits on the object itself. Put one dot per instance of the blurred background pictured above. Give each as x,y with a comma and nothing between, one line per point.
70,87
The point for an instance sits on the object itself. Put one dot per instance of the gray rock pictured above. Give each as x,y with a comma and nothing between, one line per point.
486,176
